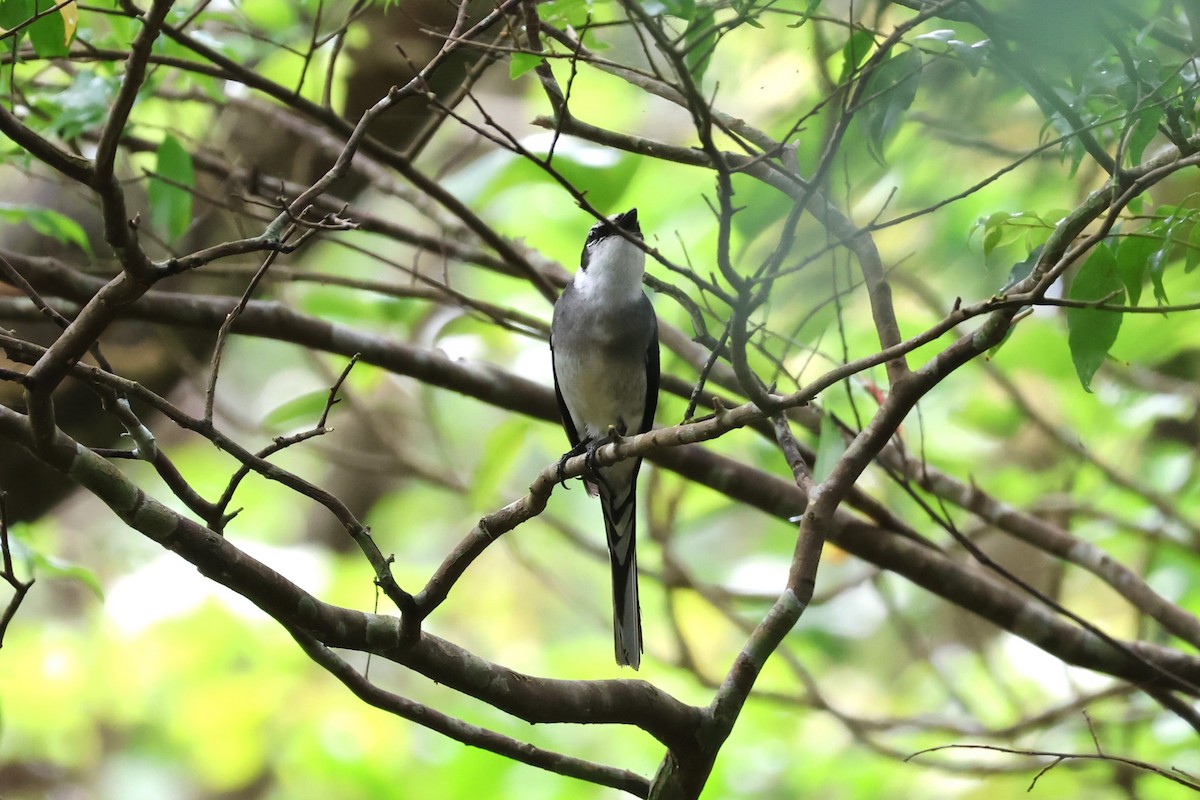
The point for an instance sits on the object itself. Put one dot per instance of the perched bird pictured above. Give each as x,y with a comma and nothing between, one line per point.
604,346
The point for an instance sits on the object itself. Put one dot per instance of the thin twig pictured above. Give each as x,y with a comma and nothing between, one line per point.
1060,758
20,588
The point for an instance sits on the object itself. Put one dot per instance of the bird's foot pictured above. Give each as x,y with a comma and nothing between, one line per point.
614,436
589,459
562,464
567,456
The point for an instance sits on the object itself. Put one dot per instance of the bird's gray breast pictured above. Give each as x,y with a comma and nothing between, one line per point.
600,361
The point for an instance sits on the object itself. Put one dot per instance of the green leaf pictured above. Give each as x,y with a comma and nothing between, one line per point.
171,203
12,14
49,34
301,411
1192,251
891,89
1133,260
1093,332
561,13
83,105
684,9
1009,236
990,221
700,40
854,53
1175,229
520,63
1145,128
54,567
47,222
830,447
808,12
991,238
1158,266
1023,269
1017,273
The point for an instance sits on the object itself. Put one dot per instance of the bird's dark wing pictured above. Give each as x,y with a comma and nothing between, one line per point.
651,373
565,413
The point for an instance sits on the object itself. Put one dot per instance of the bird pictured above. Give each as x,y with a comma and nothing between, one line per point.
604,350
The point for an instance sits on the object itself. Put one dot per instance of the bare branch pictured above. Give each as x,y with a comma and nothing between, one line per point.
20,587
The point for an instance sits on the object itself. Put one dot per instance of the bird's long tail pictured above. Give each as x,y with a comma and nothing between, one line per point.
618,499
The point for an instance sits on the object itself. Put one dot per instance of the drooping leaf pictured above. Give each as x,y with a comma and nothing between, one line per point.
854,53
520,63
745,10
1072,148
890,90
171,199
1133,256
565,12
991,238
1007,236
12,14
1158,265
83,105
808,12
47,222
1092,332
684,9
70,15
1192,252
700,40
1022,269
1174,230
302,411
1145,128
49,34
1017,273
54,567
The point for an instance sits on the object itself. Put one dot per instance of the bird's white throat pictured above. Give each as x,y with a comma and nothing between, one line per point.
614,272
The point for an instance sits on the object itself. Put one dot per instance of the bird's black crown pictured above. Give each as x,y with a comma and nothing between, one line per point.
627,222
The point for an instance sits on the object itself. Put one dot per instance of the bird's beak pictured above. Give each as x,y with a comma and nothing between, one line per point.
629,221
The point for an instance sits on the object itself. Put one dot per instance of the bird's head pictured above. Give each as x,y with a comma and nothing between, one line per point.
609,244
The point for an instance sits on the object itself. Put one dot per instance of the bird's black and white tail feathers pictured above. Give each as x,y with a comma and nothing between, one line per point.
618,500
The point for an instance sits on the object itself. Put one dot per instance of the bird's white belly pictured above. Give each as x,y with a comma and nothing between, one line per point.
594,387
